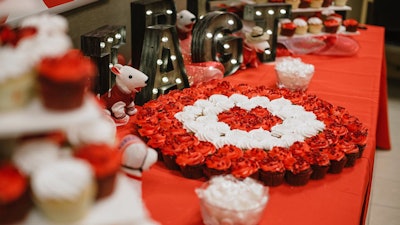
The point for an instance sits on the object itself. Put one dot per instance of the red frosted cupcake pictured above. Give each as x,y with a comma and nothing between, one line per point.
305,4
288,29
299,173
205,148
168,156
350,150
360,139
245,167
191,164
255,154
327,3
272,171
15,200
331,26
63,81
299,148
217,164
319,162
351,25
105,162
337,158
231,151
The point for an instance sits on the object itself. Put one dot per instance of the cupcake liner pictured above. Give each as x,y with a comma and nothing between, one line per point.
192,172
319,172
272,178
298,179
337,166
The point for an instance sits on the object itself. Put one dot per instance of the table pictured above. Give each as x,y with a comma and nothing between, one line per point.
357,83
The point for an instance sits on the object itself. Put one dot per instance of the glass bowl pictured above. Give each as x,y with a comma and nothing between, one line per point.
226,200
293,74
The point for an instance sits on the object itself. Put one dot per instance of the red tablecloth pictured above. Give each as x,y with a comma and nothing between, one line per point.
357,83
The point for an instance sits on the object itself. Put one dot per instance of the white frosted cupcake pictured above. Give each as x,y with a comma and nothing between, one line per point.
295,3
32,154
301,26
314,25
316,3
17,81
340,2
64,190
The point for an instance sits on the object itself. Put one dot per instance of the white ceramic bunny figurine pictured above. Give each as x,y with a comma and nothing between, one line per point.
119,101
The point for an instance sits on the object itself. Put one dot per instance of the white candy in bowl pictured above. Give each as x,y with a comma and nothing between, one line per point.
293,74
226,200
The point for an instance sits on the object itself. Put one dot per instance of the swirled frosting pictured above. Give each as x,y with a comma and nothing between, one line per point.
297,124
62,179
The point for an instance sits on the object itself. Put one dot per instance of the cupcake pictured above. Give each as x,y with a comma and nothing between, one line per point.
230,151
295,3
245,167
299,172
305,4
168,156
255,154
351,25
191,164
327,3
216,164
31,154
105,162
316,3
16,82
337,159
319,163
350,150
359,137
272,171
15,200
64,80
288,29
335,16
64,190
340,2
314,25
301,26
282,21
331,26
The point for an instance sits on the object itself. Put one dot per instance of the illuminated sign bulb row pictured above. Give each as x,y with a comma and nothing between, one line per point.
117,36
165,80
149,12
271,12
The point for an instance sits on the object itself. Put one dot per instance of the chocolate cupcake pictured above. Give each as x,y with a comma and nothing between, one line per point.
351,25
299,173
337,159
319,162
331,26
351,151
64,80
245,167
191,164
15,200
272,171
216,164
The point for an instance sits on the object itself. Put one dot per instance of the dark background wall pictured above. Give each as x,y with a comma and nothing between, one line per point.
117,12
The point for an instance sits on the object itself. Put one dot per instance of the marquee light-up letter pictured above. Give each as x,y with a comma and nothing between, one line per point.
266,16
213,39
102,45
155,48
